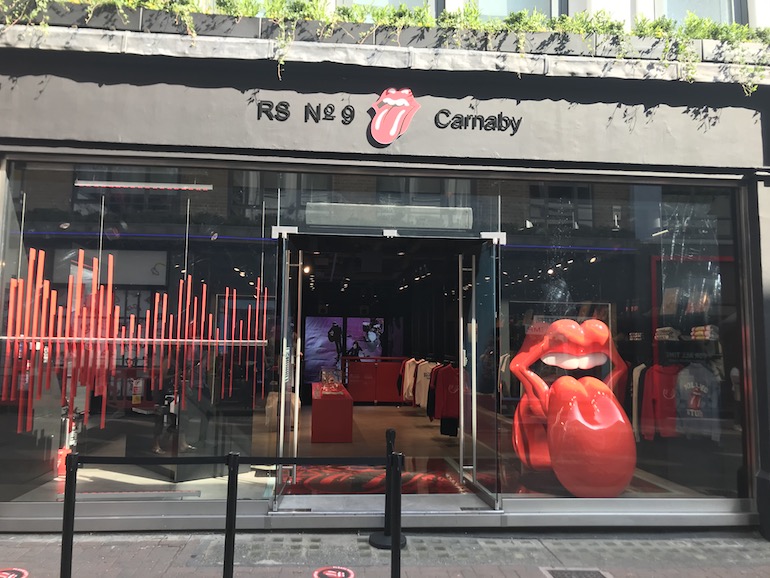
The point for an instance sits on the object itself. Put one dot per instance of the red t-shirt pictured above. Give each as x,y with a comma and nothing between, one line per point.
659,401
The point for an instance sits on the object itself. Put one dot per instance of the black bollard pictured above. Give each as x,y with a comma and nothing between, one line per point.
382,539
68,523
396,542
233,459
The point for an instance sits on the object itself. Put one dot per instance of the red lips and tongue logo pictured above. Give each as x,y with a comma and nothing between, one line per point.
575,427
393,112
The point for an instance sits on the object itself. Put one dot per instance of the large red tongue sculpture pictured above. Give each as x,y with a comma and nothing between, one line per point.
577,428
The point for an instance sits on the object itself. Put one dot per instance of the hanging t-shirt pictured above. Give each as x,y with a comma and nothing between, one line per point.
659,401
697,402
409,368
422,382
447,392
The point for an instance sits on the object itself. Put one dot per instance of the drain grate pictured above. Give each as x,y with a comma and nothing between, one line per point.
574,573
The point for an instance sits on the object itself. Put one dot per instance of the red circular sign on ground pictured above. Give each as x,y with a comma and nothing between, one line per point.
13,573
330,572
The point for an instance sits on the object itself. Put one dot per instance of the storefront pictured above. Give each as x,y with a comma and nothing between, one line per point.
190,244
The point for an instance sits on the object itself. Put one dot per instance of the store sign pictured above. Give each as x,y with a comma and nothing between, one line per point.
391,115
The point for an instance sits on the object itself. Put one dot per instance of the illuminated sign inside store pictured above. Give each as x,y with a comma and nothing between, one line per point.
391,115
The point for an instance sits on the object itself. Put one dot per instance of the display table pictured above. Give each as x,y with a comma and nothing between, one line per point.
373,379
332,414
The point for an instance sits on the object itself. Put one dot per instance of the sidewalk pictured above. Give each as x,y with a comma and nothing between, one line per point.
429,554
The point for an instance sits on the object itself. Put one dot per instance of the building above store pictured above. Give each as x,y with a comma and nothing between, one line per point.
569,44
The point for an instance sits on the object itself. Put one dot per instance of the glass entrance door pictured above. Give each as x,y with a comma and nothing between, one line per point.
479,355
291,348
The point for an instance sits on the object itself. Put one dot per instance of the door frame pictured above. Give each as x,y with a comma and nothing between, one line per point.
291,351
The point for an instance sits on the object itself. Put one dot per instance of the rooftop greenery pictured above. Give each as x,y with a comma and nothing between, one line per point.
286,13
468,17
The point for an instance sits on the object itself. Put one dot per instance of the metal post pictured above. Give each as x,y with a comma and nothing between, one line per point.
68,524
396,542
233,460
382,540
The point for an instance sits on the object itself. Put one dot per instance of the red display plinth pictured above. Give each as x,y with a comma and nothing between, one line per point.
372,379
332,415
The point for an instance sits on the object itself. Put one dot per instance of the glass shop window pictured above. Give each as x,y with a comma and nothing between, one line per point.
561,205
130,190
423,191
661,268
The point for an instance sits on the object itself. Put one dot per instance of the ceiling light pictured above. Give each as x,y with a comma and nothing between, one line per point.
558,264
251,283
236,269
550,271
401,253
570,261
242,273
592,260
141,185
64,226
306,269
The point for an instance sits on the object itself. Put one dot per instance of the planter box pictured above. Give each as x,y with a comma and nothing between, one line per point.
160,22
747,53
431,38
103,17
221,25
543,43
339,33
635,48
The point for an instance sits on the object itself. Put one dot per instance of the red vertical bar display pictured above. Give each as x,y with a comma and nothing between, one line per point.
224,346
51,328
131,326
264,333
41,344
256,338
67,346
185,351
232,340
154,340
8,334
108,323
180,296
161,345
193,348
208,350
248,355
31,376
18,346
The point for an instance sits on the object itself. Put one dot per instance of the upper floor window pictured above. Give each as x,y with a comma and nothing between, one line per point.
130,190
724,11
557,205
501,8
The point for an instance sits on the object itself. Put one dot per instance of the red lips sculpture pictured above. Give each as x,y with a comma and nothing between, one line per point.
576,427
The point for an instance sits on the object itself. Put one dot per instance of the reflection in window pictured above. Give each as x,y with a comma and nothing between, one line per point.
561,205
129,190
501,8
717,10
